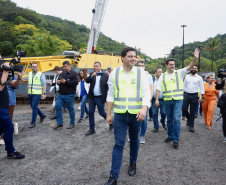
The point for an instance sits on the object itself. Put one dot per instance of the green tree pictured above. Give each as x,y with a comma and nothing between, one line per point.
21,20
205,64
6,48
212,46
44,44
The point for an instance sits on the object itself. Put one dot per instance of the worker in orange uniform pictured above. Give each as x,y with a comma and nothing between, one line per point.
210,100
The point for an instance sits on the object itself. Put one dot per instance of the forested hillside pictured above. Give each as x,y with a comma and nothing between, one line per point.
217,58
24,29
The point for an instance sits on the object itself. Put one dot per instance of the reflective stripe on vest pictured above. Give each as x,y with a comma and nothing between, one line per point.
130,104
35,83
169,92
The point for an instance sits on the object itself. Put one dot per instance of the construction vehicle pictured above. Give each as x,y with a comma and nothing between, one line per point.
78,61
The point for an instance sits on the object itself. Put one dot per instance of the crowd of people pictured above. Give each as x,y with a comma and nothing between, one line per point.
129,90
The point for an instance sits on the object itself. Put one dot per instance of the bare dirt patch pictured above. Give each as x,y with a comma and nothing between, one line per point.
69,157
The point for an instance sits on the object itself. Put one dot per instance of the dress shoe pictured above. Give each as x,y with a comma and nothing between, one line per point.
71,126
132,169
54,117
155,130
175,144
168,139
111,127
164,126
57,126
191,129
91,131
32,125
42,119
111,180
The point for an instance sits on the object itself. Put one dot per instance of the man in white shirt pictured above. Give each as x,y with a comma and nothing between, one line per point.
129,93
141,63
192,84
171,83
155,109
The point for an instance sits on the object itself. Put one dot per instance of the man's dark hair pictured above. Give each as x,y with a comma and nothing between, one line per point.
66,62
125,50
169,59
34,63
97,63
141,61
158,68
57,68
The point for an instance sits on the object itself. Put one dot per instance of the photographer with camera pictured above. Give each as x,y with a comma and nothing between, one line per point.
6,125
221,85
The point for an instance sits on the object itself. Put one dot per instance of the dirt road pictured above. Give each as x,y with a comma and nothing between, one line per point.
69,157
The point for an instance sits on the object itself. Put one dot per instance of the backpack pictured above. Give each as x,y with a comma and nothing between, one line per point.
222,103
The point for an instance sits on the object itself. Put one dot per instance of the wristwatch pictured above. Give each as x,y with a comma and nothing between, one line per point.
44,93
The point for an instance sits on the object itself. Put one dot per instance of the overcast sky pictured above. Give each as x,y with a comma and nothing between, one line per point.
152,25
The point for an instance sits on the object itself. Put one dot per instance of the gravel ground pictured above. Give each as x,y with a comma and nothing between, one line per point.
69,157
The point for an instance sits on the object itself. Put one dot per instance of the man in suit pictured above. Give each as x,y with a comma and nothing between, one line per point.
97,95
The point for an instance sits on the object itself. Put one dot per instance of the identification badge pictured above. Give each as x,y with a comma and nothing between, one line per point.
133,81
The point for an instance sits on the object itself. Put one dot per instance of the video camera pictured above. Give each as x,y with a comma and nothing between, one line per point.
13,65
220,73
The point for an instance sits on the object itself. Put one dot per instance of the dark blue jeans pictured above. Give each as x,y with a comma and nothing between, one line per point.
150,112
198,108
64,108
173,113
67,99
84,109
121,124
97,101
6,127
34,101
155,111
144,124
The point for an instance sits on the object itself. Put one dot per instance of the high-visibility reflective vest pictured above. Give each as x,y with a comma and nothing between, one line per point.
128,94
35,83
174,88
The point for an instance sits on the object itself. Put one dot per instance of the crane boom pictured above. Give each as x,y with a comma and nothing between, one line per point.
98,16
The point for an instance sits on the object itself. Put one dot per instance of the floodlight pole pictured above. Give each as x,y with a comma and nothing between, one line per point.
183,46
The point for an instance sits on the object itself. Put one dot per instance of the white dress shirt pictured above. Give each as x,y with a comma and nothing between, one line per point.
182,72
193,83
146,96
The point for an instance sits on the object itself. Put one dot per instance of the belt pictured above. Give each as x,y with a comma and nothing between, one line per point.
190,93
98,96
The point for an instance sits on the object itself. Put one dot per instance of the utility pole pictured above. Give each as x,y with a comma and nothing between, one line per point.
200,48
183,46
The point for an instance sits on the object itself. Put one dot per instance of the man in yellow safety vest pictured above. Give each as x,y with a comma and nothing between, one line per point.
129,93
172,85
36,89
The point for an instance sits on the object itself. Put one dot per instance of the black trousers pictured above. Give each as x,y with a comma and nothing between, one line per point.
190,99
224,123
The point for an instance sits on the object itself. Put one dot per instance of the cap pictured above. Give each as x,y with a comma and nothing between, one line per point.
109,67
